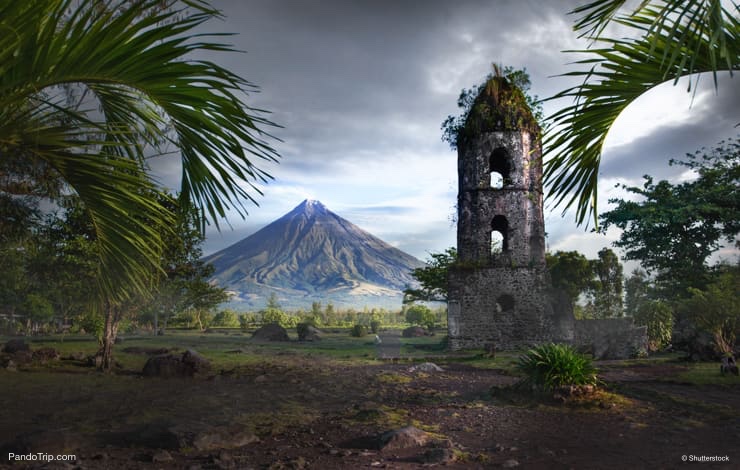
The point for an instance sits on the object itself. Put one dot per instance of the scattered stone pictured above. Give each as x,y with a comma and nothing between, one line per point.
16,345
260,379
308,333
195,362
404,438
162,456
511,463
189,364
426,367
223,438
413,332
45,355
271,332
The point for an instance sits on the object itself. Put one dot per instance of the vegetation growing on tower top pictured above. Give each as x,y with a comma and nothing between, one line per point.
500,103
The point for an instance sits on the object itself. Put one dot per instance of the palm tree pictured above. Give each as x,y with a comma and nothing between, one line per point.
141,91
677,38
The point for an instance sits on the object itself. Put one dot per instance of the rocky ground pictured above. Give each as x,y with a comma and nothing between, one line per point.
294,411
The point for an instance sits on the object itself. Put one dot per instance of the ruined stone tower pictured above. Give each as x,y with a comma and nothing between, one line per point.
499,291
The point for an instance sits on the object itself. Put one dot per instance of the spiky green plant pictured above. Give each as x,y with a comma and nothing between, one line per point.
550,366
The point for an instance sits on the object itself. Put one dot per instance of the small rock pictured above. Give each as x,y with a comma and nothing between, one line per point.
162,456
511,463
260,379
426,367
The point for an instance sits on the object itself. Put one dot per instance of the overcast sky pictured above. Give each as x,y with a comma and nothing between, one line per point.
362,86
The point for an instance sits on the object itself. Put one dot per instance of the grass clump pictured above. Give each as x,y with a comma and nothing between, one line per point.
549,367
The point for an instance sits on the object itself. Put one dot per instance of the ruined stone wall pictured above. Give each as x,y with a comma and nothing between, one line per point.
611,338
503,306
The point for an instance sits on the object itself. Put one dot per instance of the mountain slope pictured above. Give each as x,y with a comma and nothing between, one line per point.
313,254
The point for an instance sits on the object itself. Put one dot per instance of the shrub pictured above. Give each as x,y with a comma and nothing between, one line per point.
551,366
358,331
227,318
421,315
374,326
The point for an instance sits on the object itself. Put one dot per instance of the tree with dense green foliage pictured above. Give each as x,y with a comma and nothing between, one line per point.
143,91
454,127
637,291
675,39
605,293
421,315
226,318
570,271
657,316
432,277
672,229
716,307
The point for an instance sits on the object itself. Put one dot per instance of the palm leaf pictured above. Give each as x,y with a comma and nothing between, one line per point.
136,62
675,43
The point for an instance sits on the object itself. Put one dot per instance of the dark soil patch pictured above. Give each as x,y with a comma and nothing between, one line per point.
314,413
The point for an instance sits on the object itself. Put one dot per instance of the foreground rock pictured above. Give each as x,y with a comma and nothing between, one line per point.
271,332
404,438
309,333
189,364
426,367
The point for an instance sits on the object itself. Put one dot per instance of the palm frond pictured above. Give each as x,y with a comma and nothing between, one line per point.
614,76
137,60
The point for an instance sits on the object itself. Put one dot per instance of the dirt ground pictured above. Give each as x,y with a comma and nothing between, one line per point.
311,412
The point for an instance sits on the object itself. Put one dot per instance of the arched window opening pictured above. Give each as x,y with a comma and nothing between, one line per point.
500,167
497,242
505,303
500,226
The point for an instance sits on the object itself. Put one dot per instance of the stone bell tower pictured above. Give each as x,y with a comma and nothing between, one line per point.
499,291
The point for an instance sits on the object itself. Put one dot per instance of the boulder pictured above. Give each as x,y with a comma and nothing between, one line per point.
189,364
309,333
195,362
414,331
16,345
271,332
404,438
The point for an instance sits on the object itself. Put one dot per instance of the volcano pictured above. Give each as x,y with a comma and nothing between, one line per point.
312,254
